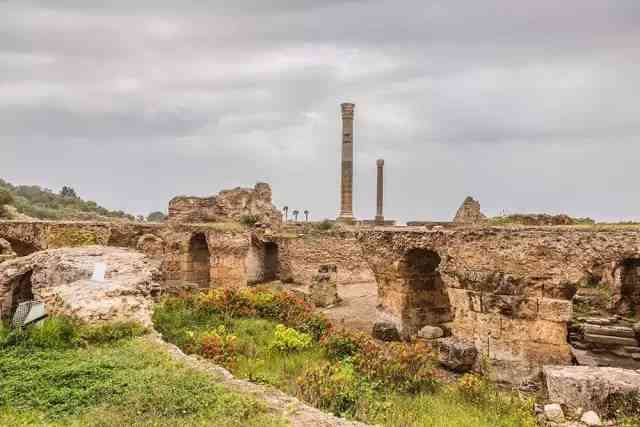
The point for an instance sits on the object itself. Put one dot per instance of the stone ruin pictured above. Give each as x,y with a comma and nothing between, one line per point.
226,206
469,212
324,286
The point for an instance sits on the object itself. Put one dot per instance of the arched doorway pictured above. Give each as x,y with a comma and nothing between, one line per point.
263,262
20,290
198,268
629,303
426,298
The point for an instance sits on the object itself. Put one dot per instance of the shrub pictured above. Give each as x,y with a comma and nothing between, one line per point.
339,389
219,346
343,344
477,390
324,225
289,340
110,332
249,220
620,405
403,367
283,307
61,332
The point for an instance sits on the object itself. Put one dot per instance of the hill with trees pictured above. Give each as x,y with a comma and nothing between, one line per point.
18,201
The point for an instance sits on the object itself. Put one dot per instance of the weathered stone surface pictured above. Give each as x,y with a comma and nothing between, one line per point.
151,245
228,205
591,418
6,251
616,331
553,412
509,290
609,339
430,332
59,278
588,387
324,289
457,354
301,256
469,212
385,331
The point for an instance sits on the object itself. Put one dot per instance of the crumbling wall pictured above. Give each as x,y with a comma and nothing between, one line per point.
228,205
300,257
510,290
469,212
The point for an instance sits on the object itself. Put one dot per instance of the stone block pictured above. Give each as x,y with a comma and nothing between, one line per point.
553,412
514,306
457,354
588,387
324,287
430,332
616,331
610,340
555,310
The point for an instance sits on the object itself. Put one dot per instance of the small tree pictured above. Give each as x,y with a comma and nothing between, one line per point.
306,215
295,215
286,213
156,216
6,198
140,218
68,192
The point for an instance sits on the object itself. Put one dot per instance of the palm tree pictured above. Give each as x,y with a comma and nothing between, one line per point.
295,215
306,215
286,213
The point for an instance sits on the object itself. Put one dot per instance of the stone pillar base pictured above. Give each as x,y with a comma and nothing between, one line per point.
379,220
346,219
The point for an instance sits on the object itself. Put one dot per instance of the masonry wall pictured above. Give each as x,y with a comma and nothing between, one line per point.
300,257
510,290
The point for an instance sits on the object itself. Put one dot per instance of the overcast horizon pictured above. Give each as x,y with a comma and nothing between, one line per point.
528,109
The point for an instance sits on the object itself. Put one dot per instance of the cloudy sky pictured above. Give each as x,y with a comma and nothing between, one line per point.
527,106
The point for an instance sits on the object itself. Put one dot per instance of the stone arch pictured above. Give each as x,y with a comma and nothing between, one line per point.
22,247
627,286
426,298
263,262
151,245
197,268
19,289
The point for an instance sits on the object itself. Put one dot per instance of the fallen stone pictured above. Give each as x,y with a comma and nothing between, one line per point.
324,286
60,279
597,320
553,412
636,328
616,331
611,340
385,331
431,332
588,387
456,354
590,418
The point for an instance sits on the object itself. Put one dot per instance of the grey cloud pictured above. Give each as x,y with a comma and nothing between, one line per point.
528,107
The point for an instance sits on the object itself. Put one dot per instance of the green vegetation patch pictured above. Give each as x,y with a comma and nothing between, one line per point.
278,340
56,376
73,237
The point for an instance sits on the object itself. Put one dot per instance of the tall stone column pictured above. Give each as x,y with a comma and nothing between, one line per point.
346,188
380,192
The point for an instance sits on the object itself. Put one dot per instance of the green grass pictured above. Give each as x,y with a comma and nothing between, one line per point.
258,362
129,382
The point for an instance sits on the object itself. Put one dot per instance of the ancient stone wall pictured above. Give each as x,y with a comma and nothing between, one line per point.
300,257
228,205
509,290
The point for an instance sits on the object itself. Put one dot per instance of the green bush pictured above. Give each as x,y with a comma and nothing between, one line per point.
219,346
325,225
249,220
61,332
339,389
342,344
289,340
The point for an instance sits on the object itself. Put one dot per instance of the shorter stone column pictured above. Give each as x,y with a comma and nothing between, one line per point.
380,193
324,286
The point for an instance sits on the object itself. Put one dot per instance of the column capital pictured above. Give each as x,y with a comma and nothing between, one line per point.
347,110
380,162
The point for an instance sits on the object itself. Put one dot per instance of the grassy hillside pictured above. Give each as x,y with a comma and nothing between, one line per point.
42,203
